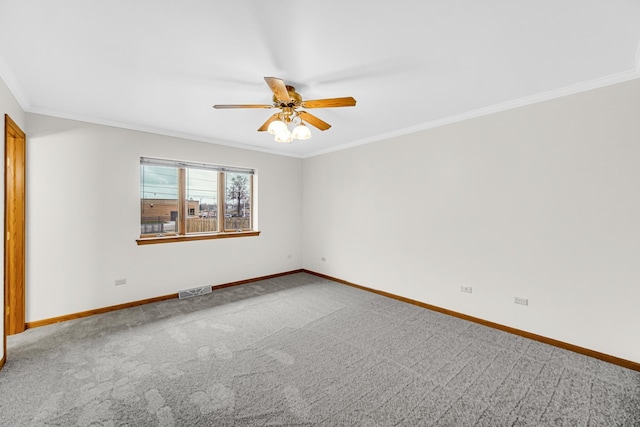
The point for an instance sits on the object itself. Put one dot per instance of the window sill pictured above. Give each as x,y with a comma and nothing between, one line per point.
189,237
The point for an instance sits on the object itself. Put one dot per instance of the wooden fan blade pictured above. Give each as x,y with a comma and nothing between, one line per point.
313,120
266,124
279,89
243,106
330,102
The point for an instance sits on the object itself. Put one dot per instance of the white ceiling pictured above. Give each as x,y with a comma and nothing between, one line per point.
159,66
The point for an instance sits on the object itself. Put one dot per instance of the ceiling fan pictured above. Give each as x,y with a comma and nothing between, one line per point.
289,101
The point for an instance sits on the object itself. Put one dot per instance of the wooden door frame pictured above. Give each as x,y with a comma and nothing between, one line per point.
13,309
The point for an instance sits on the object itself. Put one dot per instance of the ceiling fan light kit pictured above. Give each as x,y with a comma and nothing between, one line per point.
280,128
288,124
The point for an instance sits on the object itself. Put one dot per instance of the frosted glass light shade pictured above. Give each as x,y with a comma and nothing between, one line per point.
276,127
284,136
301,132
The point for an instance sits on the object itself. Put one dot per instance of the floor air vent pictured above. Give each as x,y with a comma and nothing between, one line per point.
194,292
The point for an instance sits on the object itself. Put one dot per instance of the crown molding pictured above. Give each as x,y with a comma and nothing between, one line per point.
11,82
496,108
152,130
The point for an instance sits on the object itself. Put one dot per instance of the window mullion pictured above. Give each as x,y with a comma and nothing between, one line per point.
182,201
251,211
221,201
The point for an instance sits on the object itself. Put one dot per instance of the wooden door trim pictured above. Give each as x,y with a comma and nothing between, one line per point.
14,321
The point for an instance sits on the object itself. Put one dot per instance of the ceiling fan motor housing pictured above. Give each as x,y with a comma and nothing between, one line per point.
296,98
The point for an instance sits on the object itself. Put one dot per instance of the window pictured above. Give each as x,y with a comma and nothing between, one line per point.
190,201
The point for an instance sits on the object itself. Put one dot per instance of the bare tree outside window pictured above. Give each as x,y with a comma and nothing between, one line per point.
238,215
238,192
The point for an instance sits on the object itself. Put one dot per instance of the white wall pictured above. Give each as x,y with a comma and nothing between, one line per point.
8,105
541,202
83,219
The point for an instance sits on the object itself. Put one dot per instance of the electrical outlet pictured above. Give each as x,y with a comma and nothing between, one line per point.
521,301
118,282
466,289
